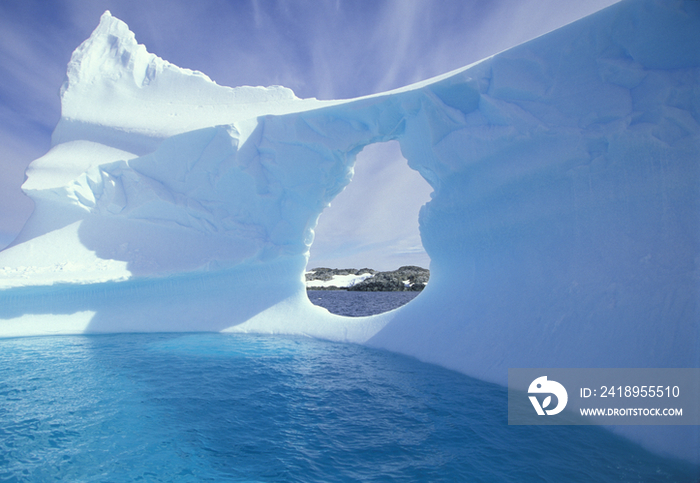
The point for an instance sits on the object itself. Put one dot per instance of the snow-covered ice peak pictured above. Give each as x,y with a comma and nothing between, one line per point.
111,52
119,94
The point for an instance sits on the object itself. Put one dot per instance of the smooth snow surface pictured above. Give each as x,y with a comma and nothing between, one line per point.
340,281
563,229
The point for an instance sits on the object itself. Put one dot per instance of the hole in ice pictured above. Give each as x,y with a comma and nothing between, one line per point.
372,224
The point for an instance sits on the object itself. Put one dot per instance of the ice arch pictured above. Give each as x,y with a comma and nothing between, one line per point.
564,229
374,221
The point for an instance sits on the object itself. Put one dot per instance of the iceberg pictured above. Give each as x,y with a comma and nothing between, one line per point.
563,228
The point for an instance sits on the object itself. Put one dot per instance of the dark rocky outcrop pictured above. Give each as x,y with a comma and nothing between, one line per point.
407,278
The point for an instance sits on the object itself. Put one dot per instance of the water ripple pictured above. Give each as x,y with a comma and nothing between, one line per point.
213,407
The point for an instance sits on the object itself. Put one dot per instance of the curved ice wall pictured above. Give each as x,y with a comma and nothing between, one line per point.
563,229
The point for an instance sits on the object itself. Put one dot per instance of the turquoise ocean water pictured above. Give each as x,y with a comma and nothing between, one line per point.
220,408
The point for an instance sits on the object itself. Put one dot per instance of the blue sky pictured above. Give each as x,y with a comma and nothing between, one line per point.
319,48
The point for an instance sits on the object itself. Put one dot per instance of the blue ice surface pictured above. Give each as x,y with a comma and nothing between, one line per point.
217,407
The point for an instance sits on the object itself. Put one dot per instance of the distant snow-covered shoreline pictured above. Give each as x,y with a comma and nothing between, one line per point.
408,278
